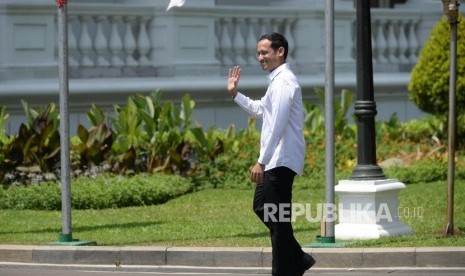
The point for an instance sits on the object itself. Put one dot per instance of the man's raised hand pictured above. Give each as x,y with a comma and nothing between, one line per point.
233,80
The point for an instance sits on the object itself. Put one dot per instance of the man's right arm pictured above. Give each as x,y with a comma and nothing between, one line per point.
254,108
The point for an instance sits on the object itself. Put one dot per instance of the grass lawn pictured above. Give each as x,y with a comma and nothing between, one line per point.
223,217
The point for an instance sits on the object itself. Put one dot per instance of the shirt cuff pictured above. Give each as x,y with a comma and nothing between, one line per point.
240,98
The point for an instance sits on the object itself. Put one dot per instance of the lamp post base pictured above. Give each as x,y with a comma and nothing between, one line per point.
368,209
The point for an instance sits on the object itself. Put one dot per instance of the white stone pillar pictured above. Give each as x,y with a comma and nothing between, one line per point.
368,209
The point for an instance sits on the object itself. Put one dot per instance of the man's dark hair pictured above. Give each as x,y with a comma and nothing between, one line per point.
277,41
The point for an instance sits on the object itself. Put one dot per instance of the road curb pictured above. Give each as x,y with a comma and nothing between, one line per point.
232,256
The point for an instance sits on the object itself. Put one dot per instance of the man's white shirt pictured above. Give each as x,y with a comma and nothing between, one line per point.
282,142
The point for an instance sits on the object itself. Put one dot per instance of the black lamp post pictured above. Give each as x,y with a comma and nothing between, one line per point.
365,105
367,185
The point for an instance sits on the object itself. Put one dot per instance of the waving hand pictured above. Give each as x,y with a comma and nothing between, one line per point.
233,80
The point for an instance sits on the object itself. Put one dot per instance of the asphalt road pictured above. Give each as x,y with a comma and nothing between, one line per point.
14,269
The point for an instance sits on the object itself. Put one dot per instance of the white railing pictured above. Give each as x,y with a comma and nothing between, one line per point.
126,40
237,35
109,37
395,38
118,38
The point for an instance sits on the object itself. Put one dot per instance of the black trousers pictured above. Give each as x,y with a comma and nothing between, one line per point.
275,194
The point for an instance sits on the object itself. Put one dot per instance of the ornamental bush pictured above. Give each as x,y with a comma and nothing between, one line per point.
429,82
98,193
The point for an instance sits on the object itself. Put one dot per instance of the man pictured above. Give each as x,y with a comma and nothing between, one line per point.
282,151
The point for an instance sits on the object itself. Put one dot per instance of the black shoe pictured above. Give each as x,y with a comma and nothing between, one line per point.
304,264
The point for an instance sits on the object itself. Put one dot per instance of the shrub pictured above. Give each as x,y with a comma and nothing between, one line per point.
43,197
5,139
427,127
150,136
231,166
425,170
99,193
314,120
429,83
36,148
92,145
420,171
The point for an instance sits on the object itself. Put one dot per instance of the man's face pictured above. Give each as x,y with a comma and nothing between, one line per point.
269,58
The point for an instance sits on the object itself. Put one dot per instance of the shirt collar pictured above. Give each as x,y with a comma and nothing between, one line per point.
276,71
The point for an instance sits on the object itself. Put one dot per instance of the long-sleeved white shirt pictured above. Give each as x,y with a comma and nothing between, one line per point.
281,142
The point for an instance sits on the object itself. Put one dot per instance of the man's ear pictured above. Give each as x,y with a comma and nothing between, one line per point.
281,51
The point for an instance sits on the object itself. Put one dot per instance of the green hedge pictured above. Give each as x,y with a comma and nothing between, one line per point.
99,193
423,171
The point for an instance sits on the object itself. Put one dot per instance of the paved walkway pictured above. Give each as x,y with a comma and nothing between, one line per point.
17,269
232,256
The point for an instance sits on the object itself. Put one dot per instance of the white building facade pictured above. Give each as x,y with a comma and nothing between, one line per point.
121,47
